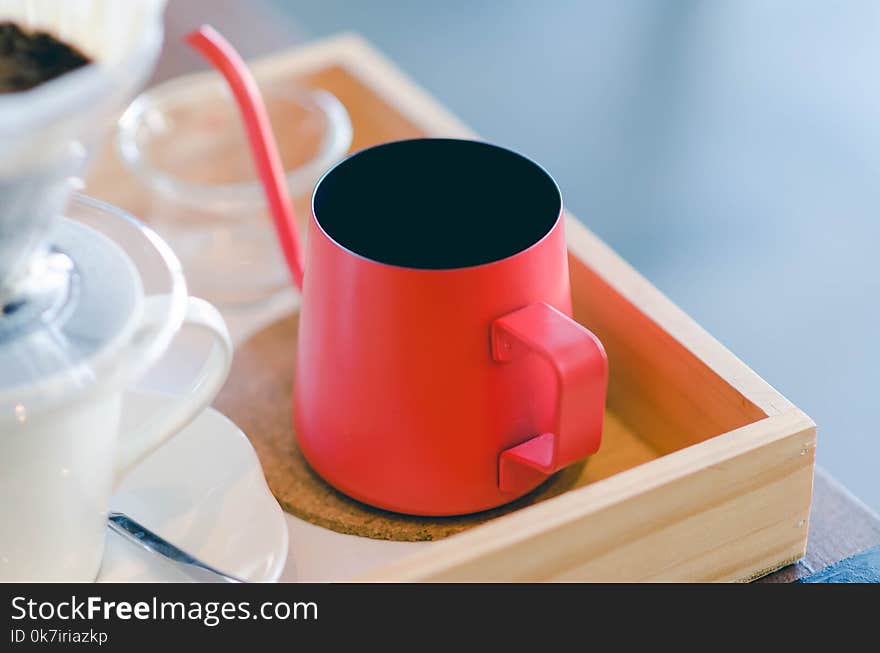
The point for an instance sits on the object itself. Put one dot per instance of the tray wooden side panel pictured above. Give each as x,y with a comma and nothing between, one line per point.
731,509
668,395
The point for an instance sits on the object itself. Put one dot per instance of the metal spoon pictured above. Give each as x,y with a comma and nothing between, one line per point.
128,528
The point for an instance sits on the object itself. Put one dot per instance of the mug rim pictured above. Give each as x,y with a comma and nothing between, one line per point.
476,266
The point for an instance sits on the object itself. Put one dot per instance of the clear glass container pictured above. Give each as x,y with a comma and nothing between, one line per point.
186,143
99,306
84,330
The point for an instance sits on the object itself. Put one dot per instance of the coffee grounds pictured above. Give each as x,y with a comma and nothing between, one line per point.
28,59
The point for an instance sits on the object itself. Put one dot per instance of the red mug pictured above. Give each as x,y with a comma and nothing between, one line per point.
438,369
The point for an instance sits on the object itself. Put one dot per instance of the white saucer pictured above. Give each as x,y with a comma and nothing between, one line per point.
204,491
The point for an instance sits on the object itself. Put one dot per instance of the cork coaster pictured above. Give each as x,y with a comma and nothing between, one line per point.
257,397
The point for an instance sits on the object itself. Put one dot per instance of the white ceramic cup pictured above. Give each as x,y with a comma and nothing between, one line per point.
61,460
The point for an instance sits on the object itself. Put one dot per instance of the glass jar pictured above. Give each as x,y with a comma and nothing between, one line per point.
185,142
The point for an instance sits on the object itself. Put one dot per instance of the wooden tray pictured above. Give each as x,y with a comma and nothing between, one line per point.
707,471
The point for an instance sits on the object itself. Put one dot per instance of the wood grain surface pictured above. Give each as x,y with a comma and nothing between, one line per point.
840,526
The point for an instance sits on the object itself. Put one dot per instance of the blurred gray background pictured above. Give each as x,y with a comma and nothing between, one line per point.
728,149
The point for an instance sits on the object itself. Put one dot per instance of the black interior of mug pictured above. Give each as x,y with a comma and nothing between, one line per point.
436,203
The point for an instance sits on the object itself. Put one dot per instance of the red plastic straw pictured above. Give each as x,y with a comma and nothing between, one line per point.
217,50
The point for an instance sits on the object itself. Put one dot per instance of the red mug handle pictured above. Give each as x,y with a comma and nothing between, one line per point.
581,367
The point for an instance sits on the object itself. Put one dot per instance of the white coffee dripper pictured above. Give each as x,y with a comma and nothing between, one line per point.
47,133
89,299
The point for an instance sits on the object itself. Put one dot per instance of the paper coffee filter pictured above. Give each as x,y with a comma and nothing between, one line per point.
103,29
122,37
47,133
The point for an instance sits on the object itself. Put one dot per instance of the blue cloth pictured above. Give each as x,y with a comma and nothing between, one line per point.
861,568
